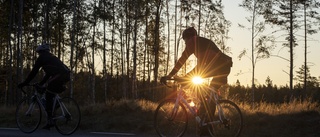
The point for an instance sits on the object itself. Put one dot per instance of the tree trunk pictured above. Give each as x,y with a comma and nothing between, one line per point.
19,48
291,45
104,57
252,51
112,38
93,72
72,45
168,51
145,44
156,43
134,71
9,92
305,48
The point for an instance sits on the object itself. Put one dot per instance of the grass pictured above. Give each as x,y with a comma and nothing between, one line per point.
295,119
119,116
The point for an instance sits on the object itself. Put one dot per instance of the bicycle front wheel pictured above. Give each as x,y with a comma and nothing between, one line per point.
67,116
28,115
231,123
170,120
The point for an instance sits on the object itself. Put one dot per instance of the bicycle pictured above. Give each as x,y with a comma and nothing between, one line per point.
66,112
171,118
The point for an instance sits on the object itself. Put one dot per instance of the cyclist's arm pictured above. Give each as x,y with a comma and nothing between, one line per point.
34,71
190,49
185,55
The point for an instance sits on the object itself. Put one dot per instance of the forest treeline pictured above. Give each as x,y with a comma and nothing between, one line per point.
119,48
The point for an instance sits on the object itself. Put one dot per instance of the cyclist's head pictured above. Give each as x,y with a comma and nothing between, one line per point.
188,33
43,48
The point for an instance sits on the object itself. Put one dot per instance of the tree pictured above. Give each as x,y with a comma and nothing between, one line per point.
73,33
93,48
10,58
128,36
308,28
285,14
269,82
260,46
156,39
281,13
301,77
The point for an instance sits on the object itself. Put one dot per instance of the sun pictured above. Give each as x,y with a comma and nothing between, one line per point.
197,80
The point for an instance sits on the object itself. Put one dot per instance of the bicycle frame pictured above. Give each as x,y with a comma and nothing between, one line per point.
64,110
36,98
171,115
213,96
30,108
181,99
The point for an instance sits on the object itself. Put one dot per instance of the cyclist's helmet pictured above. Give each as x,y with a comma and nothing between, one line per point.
43,47
188,33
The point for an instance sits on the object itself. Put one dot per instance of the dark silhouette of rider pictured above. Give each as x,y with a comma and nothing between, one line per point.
211,62
57,74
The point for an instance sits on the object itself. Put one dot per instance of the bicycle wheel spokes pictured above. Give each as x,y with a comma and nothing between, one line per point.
169,121
28,115
231,124
67,116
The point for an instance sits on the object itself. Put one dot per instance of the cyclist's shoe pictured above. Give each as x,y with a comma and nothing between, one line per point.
50,123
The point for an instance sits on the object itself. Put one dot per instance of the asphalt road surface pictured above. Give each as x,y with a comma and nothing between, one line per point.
15,132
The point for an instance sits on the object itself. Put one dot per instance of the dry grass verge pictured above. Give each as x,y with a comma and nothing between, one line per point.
294,119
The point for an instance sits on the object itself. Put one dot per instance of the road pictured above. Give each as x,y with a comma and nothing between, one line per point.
15,132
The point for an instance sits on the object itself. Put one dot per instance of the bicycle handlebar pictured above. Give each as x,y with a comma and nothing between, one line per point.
164,80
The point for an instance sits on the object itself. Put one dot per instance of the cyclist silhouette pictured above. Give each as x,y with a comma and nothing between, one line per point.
211,62
57,74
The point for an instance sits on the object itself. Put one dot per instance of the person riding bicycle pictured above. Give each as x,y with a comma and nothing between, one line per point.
57,74
211,62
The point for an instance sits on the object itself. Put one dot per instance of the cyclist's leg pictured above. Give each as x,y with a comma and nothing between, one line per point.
49,104
55,86
220,78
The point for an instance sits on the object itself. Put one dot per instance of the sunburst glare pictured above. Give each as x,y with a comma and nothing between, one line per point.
197,80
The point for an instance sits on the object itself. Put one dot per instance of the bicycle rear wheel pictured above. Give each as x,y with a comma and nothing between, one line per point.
67,116
28,115
232,122
170,122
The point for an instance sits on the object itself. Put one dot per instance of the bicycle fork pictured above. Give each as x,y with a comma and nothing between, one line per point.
31,107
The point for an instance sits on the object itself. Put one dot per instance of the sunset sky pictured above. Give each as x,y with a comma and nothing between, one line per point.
275,68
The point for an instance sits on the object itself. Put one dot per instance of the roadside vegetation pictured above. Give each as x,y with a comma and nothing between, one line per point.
295,118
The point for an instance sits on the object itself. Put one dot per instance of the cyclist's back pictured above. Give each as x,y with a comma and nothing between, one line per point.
50,64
